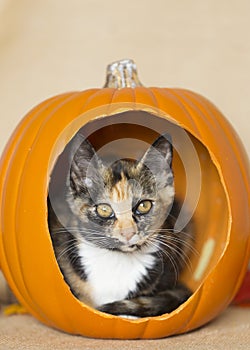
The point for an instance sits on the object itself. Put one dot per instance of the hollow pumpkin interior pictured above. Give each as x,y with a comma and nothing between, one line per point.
198,183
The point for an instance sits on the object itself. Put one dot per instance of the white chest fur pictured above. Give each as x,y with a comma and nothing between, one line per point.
112,275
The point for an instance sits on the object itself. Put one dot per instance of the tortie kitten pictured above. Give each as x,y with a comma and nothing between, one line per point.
115,244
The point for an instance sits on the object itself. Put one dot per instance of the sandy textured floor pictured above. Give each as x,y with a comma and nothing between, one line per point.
229,331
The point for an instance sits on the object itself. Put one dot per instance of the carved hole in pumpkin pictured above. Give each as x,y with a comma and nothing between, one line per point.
128,134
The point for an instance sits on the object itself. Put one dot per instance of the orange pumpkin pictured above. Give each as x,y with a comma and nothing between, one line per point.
214,181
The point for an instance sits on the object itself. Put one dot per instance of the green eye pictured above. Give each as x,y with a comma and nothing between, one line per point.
104,211
144,207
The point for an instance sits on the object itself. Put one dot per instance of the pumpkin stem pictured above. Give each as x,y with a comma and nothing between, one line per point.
122,74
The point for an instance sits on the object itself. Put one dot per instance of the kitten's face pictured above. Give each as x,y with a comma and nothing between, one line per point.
120,207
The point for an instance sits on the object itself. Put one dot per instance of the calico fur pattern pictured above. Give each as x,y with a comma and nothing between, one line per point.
129,262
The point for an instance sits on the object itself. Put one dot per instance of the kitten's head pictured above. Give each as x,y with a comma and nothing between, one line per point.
120,206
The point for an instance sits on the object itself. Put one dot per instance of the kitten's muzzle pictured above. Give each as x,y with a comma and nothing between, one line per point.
128,233
132,244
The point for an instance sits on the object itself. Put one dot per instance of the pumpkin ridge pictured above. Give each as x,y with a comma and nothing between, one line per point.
234,142
36,308
189,107
117,94
35,119
141,92
218,122
9,152
163,93
196,100
98,98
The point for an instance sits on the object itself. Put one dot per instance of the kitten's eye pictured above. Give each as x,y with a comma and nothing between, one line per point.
104,211
144,207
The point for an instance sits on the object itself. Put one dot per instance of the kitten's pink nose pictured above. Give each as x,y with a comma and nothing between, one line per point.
128,233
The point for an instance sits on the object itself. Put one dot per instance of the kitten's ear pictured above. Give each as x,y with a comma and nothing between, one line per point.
85,164
158,159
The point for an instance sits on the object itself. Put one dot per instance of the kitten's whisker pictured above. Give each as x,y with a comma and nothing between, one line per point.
163,252
171,231
184,243
74,230
66,251
178,239
179,252
173,246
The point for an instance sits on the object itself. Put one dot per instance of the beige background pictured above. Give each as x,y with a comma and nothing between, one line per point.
52,46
